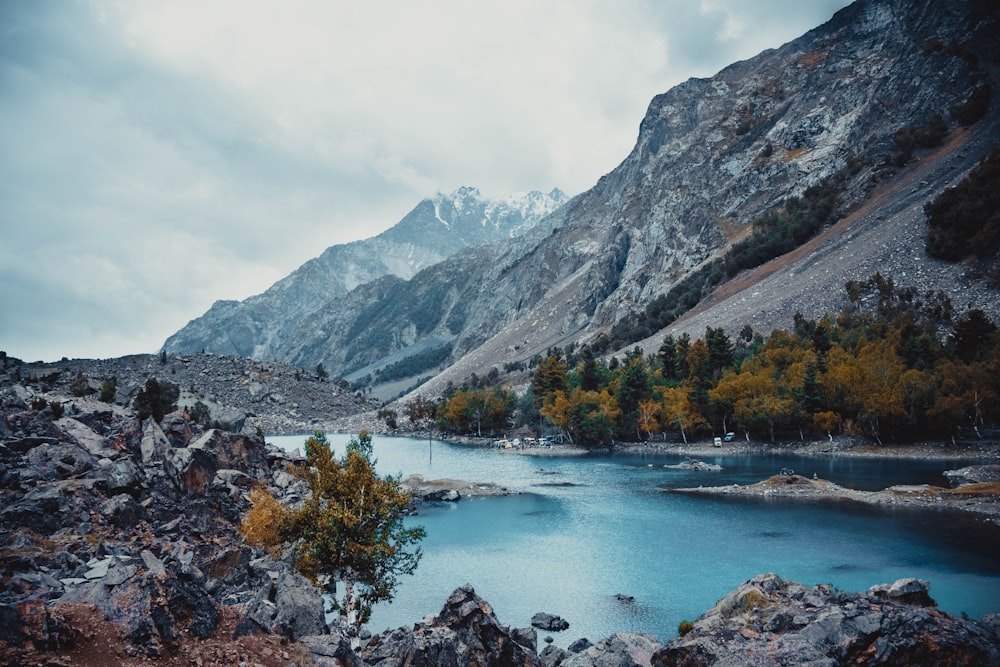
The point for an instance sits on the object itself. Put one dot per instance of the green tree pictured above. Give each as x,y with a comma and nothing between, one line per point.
156,399
350,530
80,386
201,414
108,389
667,355
590,379
633,388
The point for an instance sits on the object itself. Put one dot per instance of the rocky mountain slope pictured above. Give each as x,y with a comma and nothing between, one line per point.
711,156
263,326
238,393
714,154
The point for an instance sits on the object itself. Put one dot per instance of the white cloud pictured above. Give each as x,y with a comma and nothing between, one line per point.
158,156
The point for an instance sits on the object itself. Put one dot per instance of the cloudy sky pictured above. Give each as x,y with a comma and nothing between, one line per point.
156,156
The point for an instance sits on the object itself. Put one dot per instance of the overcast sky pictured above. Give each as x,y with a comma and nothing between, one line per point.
156,156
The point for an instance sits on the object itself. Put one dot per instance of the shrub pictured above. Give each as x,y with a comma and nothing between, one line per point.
80,386
974,108
685,627
200,414
156,399
108,389
964,220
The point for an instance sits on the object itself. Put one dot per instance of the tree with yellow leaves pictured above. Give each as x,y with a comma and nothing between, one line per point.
350,529
679,410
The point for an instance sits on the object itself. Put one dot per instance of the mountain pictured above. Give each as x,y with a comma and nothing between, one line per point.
438,227
871,108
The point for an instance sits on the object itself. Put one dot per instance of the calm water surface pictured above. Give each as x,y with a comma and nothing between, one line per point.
587,528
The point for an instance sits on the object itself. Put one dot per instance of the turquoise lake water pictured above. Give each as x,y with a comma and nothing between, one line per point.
588,528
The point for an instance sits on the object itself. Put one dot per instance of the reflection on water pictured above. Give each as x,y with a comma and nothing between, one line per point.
587,530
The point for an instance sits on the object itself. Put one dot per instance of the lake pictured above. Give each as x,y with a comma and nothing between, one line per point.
586,529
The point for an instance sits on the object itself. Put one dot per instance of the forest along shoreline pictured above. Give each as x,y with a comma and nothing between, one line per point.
975,488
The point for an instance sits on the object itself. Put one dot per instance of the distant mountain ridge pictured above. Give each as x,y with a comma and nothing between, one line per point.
434,230
711,156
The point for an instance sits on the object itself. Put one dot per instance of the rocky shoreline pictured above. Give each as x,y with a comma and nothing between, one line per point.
980,498
119,545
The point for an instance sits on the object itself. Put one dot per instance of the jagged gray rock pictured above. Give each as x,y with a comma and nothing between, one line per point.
286,602
624,649
465,632
790,624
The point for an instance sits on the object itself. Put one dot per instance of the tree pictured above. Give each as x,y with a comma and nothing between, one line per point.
633,388
973,336
557,410
350,530
201,414
549,377
678,410
590,379
80,386
320,371
108,389
667,355
648,411
720,350
593,416
156,399
420,410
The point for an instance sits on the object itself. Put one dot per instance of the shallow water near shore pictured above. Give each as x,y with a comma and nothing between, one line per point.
586,529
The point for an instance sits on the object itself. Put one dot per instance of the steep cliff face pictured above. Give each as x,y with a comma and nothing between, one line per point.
711,155
262,326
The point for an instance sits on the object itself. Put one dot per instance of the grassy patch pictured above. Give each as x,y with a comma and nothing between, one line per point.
979,490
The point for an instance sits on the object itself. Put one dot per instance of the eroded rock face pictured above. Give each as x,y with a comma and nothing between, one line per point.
781,622
466,632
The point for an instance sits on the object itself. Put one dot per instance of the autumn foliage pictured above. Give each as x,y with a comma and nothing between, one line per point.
349,530
894,364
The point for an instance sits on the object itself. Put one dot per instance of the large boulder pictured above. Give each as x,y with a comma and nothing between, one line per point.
122,512
546,621
625,649
44,509
81,434
118,476
235,451
786,623
286,602
154,444
155,603
62,460
466,632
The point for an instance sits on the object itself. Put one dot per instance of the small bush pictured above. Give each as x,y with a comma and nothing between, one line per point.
200,414
974,108
685,627
80,386
108,389
751,600
156,399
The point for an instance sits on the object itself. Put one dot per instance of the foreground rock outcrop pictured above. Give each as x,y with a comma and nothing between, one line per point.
768,620
119,545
